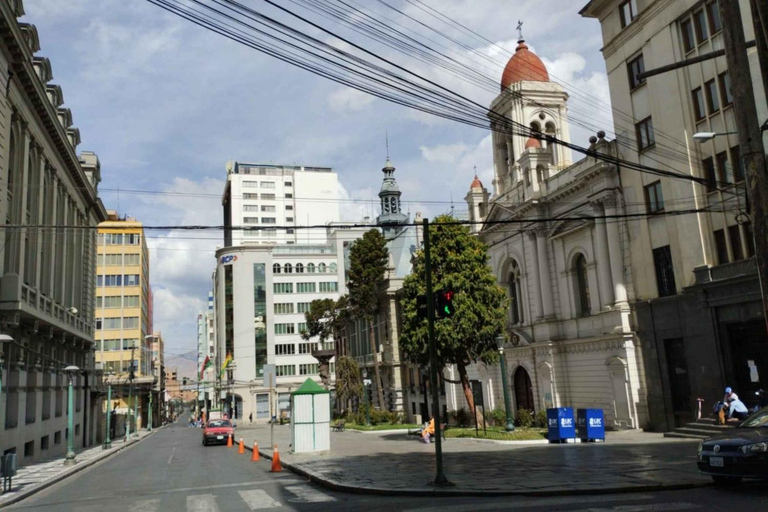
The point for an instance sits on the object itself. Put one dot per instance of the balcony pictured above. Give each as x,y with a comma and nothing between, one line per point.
733,270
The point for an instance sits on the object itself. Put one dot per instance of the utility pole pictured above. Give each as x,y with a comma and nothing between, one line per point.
750,134
759,19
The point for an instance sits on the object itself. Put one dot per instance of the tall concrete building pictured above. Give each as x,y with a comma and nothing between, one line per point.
206,350
123,312
697,297
47,275
265,196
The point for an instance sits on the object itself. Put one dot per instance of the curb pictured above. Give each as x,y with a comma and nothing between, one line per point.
448,492
73,471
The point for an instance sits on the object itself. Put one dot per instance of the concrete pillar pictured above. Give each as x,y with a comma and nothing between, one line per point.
614,249
534,276
602,258
544,277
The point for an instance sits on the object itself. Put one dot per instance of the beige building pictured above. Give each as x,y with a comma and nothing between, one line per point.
46,275
697,298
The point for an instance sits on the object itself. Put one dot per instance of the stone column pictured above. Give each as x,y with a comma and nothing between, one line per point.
614,249
534,276
544,277
603,258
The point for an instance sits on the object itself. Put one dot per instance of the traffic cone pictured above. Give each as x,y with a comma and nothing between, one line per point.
229,441
241,448
255,454
276,466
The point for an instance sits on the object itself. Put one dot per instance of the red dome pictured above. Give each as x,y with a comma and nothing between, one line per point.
532,143
476,183
523,66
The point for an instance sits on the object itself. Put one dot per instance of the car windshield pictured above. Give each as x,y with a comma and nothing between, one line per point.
219,423
758,420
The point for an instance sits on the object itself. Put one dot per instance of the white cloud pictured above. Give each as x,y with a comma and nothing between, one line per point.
346,99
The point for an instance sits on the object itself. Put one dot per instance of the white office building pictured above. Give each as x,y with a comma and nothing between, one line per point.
267,197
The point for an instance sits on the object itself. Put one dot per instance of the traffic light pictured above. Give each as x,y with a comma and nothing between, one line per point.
445,307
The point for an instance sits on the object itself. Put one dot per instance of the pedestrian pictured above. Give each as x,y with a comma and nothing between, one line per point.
730,396
428,431
738,410
250,418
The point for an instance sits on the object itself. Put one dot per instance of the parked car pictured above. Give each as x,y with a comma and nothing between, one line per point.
740,453
217,431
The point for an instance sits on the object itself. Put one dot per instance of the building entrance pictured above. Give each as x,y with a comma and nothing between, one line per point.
747,356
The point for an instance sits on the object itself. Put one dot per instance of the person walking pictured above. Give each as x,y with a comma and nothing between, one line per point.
250,418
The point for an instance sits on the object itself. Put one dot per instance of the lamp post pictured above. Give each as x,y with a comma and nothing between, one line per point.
71,370
366,384
510,426
704,136
107,439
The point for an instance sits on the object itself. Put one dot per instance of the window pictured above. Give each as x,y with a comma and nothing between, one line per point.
736,249
283,308
709,174
687,31
722,167
285,349
713,12
109,302
267,184
250,196
299,268
665,274
276,268
738,164
250,208
269,220
289,219
113,239
289,208
132,259
285,370
111,280
702,31
634,68
645,138
329,286
321,268
289,232
268,196
628,12
250,220
698,104
725,88
305,287
308,369
302,327
131,322
332,268
113,260
250,184
288,268
282,287
285,328
306,348
270,232
288,184
654,199
713,103
310,268
132,239
582,285
131,301
110,323
267,208
302,307
721,247
288,196
515,293
131,279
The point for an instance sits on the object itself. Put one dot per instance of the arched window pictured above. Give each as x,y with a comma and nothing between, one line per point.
515,293
288,268
332,268
581,285
299,268
321,268
310,268
276,268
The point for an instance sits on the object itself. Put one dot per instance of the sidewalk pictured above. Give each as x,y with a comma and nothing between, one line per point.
394,464
36,477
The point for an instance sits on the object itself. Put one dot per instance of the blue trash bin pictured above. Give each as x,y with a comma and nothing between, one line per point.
560,424
591,425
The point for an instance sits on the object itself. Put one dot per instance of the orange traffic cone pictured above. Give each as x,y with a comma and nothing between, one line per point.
229,441
241,448
255,454
276,466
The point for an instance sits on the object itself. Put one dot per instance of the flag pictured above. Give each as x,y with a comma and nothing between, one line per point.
225,365
206,365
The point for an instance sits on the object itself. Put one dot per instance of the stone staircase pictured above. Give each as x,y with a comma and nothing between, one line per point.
699,429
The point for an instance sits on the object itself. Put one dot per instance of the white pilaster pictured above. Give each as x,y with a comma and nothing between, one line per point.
603,258
614,249
544,278
534,277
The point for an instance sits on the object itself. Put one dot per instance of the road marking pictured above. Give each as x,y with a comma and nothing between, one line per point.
538,502
202,503
307,494
145,506
224,486
651,507
258,499
173,452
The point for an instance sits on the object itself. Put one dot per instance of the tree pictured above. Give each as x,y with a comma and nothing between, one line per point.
459,263
349,382
325,318
368,258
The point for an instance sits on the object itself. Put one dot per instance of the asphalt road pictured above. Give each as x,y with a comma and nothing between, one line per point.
172,472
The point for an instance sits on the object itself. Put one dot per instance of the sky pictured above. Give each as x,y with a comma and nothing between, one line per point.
165,104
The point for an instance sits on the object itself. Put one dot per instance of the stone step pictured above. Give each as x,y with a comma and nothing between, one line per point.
677,435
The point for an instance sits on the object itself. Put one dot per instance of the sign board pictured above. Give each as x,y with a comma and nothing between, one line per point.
477,392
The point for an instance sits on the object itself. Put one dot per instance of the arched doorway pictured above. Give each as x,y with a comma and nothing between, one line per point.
523,390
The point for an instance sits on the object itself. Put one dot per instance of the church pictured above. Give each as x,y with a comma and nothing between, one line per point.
562,256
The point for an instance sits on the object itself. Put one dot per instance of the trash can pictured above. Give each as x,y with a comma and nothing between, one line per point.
560,424
591,425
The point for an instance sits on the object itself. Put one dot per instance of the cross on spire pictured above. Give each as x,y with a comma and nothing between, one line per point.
475,168
519,30
386,138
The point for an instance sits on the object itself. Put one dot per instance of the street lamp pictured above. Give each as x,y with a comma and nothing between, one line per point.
108,439
366,383
510,426
704,136
71,370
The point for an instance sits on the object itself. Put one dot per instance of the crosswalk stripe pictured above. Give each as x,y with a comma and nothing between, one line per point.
202,503
572,502
651,507
257,499
307,494
145,506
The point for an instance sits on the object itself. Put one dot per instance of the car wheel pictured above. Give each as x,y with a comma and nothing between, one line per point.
726,480
205,443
